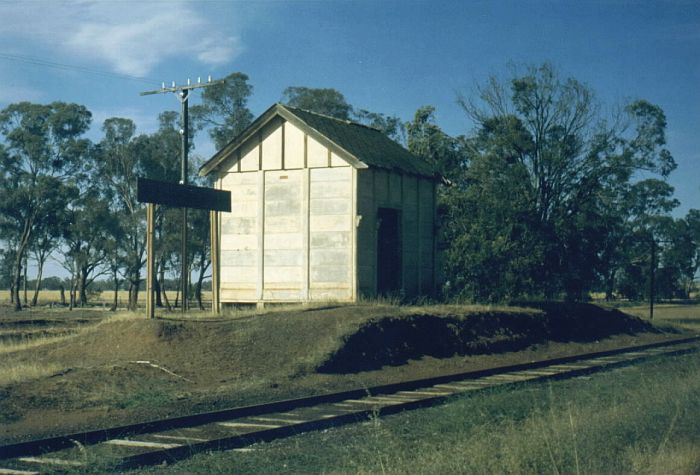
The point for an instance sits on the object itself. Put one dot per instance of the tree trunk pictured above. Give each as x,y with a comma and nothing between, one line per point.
37,285
71,292
162,287
198,292
115,280
82,287
17,279
200,279
24,282
157,289
609,286
63,295
134,294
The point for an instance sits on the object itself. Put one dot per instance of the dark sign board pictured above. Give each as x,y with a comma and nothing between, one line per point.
182,196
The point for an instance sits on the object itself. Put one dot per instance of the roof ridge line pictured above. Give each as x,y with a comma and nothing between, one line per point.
337,119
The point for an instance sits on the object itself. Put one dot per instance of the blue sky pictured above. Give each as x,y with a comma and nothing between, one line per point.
384,56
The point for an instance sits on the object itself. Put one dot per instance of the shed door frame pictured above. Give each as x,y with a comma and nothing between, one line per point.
389,251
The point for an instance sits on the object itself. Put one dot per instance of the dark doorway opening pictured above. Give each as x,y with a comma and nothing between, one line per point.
388,251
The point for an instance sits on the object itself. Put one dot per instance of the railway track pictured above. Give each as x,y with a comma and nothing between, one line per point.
168,440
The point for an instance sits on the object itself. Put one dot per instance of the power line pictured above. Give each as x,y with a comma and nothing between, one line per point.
71,67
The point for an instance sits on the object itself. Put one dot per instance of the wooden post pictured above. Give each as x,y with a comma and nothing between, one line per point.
652,285
150,260
214,235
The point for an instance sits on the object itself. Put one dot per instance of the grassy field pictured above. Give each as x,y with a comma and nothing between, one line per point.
678,315
47,297
637,420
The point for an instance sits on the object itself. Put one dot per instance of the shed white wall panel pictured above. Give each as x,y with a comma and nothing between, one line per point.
330,234
272,146
283,236
290,234
336,161
316,154
239,238
293,146
250,157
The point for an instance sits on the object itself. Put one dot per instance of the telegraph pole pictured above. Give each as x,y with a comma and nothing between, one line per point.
652,272
652,284
183,94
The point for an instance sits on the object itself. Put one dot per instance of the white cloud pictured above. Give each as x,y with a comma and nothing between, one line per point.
130,37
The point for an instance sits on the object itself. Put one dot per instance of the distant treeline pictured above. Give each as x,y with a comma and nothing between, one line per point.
546,197
56,283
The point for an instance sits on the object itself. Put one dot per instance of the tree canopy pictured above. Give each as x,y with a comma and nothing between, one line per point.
551,190
548,197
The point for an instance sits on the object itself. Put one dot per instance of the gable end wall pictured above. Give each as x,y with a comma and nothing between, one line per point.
290,235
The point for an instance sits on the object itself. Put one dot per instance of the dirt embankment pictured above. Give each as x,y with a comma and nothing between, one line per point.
396,340
128,370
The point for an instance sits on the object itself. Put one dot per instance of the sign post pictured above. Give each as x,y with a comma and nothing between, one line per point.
183,94
181,196
150,259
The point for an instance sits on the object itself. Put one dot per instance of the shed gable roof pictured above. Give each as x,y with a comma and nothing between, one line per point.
360,145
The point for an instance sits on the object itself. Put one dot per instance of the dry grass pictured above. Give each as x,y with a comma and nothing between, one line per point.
637,420
47,297
31,343
679,315
52,326
11,372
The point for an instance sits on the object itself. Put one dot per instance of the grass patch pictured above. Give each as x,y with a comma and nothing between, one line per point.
24,344
142,397
11,372
32,329
636,420
675,315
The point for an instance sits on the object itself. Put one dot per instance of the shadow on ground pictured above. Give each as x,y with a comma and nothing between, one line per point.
395,340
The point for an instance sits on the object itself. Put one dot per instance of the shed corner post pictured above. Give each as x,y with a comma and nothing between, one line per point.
214,236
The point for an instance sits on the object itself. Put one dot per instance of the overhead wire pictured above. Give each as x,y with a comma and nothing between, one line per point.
71,67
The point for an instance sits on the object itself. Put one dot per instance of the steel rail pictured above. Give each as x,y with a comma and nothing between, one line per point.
369,400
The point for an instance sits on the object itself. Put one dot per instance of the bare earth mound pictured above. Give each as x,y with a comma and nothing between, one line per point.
395,340
124,370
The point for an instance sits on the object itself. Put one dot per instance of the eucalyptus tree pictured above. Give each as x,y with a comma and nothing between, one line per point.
331,102
119,166
572,171
390,125
326,101
224,109
86,240
160,155
48,236
425,139
43,147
